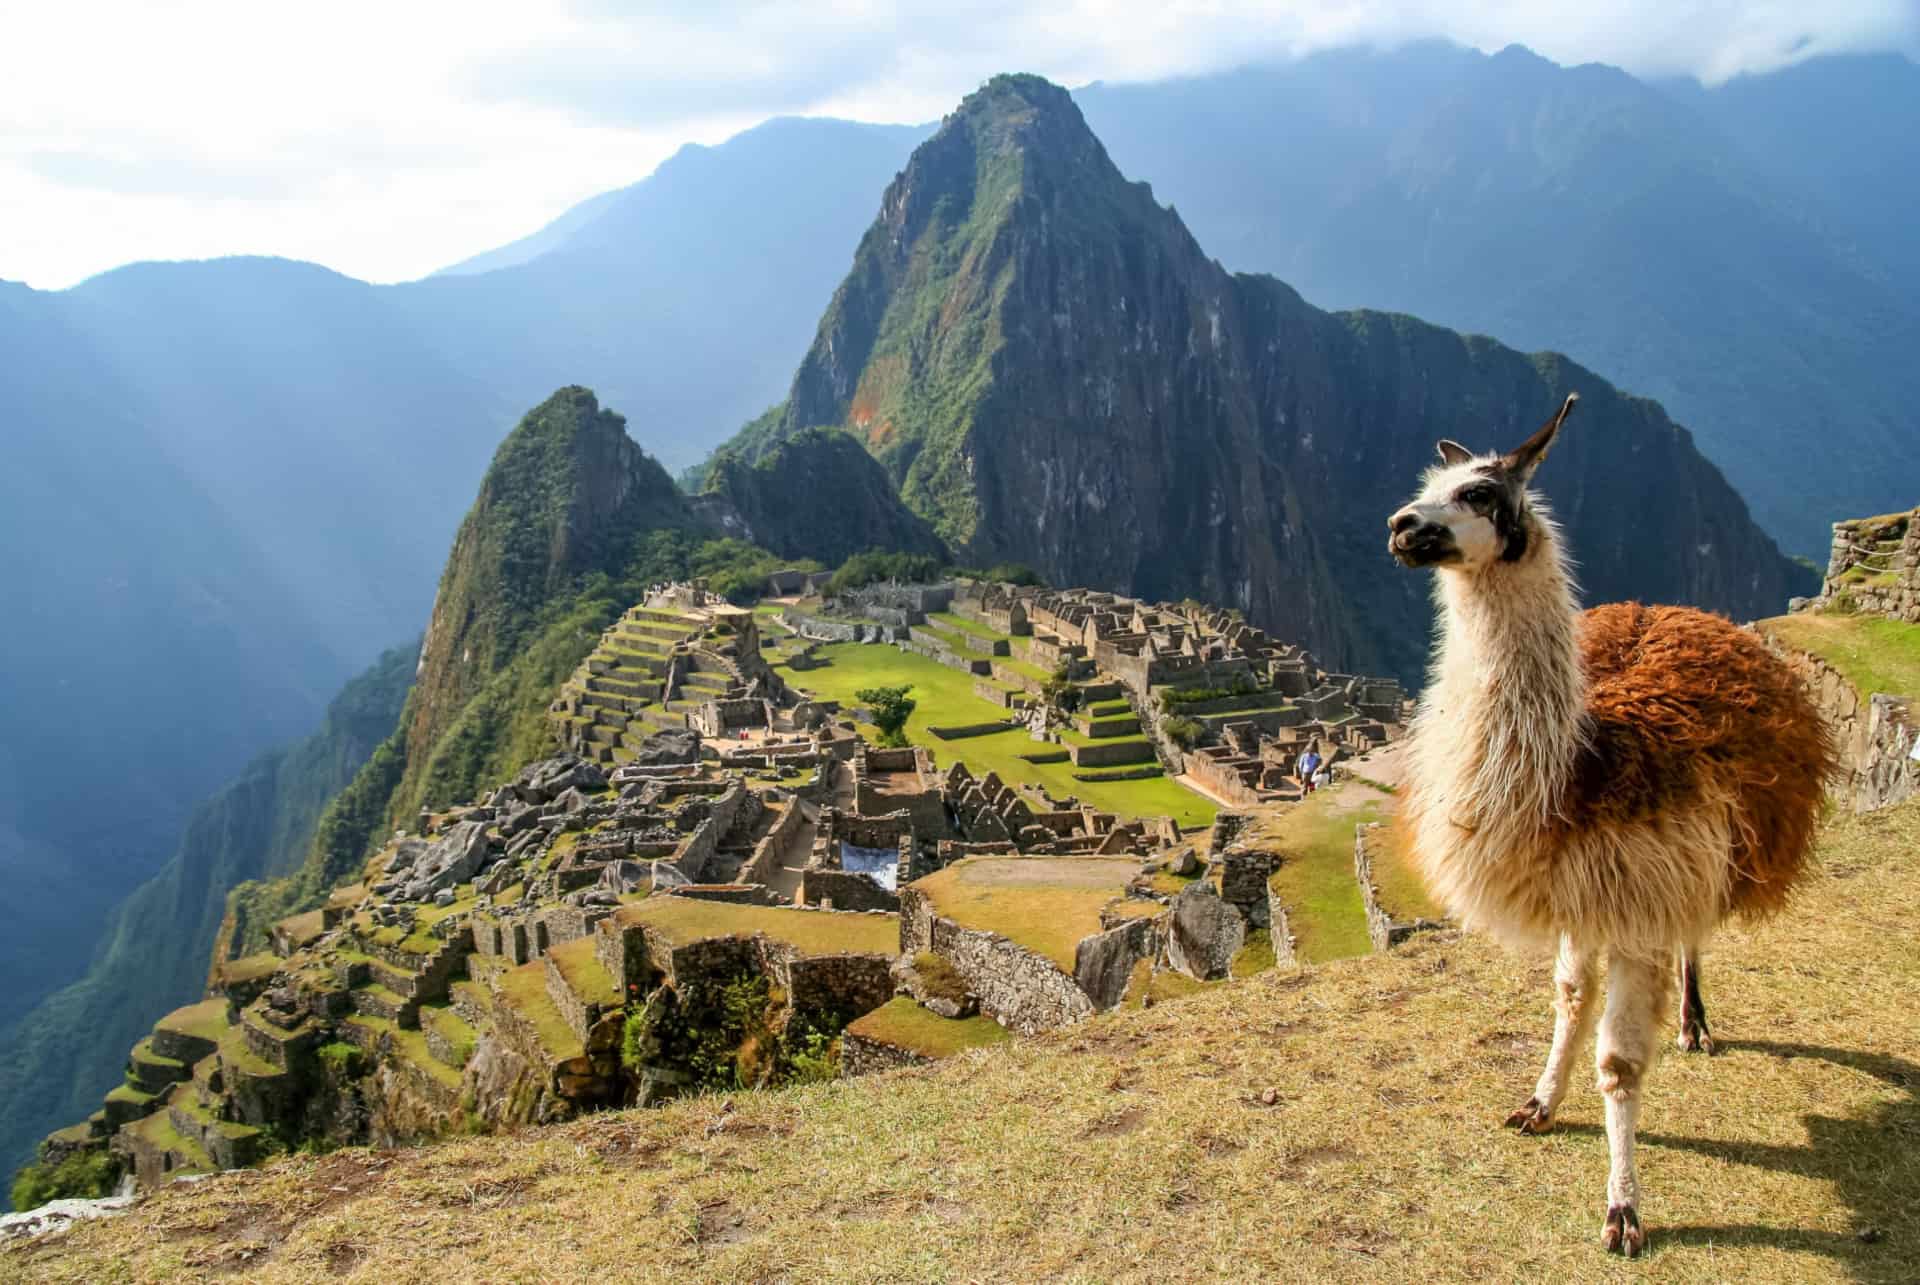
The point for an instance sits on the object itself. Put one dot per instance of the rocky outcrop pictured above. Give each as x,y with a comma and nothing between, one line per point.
1205,934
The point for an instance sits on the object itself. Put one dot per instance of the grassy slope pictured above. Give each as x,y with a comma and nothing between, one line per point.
1316,882
1871,652
946,699
1128,1147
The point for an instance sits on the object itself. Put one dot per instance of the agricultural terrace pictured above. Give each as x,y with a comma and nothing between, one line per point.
904,1024
945,698
1873,653
1316,881
1047,904
812,932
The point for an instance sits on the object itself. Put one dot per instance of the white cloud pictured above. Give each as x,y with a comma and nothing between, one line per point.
388,139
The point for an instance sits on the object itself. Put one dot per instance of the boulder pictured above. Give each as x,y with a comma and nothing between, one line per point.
455,858
626,876
522,817
674,745
1103,963
498,879
443,898
668,875
539,782
1185,862
567,773
406,853
908,978
571,801
1205,934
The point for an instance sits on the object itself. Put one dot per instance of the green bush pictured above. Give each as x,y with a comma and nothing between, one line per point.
1184,732
1172,698
863,569
84,1175
1058,690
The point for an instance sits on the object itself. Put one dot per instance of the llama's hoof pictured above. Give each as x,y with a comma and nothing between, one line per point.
1695,1039
1623,1233
1531,1118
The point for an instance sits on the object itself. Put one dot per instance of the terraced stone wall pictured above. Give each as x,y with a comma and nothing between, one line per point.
1874,567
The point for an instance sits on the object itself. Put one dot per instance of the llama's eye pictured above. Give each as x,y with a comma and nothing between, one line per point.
1477,496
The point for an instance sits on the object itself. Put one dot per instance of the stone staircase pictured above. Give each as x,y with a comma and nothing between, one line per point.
642,678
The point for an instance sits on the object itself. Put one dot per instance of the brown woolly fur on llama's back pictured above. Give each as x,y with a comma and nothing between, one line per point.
1681,703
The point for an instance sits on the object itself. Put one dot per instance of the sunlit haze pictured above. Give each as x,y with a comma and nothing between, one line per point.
388,140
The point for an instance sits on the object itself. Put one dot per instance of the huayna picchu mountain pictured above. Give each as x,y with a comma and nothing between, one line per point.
572,521
1054,372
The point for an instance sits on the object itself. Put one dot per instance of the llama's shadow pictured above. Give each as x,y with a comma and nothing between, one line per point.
1840,1151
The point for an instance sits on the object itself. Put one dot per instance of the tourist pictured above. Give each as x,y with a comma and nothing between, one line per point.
1308,765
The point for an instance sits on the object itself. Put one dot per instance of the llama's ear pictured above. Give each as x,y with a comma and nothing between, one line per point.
1451,452
1523,459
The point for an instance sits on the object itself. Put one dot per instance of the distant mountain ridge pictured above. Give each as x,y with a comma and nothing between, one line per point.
1054,372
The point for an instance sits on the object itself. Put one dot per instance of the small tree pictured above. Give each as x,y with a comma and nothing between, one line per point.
890,707
1184,731
1058,690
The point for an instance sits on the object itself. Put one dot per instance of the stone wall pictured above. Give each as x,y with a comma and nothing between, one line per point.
766,853
1023,991
1112,754
842,986
829,629
1384,928
1873,567
860,1056
845,891
1876,736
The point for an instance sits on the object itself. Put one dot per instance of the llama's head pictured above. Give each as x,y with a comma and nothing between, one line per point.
1474,511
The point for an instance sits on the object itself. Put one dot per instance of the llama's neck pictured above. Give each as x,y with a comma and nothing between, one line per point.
1504,717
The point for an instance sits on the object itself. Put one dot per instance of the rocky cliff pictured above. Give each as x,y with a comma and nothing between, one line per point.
1052,370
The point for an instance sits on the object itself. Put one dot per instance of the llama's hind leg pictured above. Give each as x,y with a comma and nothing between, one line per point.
1694,1035
1574,978
1629,1039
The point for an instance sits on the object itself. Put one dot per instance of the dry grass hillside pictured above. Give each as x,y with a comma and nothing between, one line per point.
1340,1123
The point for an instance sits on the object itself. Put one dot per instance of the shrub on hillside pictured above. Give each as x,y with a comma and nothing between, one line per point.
84,1175
873,567
1183,731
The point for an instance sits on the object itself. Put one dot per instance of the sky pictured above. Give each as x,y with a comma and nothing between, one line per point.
389,139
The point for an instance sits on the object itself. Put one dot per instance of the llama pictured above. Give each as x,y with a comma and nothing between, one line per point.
1617,781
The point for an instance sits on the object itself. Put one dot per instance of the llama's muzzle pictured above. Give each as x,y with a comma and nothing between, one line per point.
1415,542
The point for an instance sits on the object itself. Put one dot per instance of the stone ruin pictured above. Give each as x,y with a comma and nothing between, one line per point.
1257,702
483,971
1873,569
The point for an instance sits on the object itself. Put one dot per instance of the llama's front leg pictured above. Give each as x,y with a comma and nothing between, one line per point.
1574,977
1629,1038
